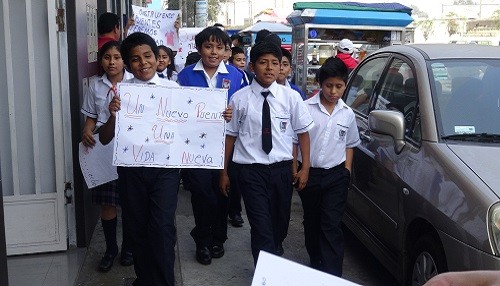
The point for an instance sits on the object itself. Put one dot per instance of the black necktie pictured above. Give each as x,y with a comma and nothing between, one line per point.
160,74
267,137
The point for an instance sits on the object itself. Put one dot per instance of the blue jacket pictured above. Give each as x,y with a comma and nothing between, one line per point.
190,77
296,88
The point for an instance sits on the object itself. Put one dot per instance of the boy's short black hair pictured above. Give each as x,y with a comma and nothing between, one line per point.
234,52
192,58
286,53
107,22
333,68
273,38
237,37
261,35
263,48
211,33
134,40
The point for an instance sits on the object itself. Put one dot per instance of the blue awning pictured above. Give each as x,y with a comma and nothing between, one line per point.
349,17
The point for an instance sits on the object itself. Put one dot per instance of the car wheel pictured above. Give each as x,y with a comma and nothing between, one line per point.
427,259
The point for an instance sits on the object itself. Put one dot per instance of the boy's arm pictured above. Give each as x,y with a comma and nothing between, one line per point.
107,131
88,132
224,183
295,164
349,154
228,113
303,174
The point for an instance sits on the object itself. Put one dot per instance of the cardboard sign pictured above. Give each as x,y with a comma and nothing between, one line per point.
96,163
272,270
170,127
159,24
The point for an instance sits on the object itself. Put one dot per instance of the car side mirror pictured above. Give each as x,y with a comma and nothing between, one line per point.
389,122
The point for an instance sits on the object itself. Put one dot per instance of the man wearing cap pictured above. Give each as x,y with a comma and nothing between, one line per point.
345,50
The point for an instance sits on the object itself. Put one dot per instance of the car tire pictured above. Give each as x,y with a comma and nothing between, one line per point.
427,259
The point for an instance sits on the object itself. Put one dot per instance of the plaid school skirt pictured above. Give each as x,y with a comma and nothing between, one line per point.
106,194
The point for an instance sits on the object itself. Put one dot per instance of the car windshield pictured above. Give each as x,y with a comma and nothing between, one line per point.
466,94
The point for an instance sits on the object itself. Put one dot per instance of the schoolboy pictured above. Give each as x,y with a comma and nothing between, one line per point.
333,138
149,195
286,68
209,205
265,117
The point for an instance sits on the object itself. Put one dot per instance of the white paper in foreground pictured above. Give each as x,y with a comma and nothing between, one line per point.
272,270
96,163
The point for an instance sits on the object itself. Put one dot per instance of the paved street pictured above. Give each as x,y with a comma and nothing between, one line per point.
236,267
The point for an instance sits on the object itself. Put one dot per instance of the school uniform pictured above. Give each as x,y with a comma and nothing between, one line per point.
296,88
265,180
164,74
95,105
325,194
149,199
209,205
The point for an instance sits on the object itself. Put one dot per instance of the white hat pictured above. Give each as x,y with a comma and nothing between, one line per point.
346,46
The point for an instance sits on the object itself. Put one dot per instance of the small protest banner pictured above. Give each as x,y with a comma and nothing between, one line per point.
272,270
170,127
96,164
159,24
186,45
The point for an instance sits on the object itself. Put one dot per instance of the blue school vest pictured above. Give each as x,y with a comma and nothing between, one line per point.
233,79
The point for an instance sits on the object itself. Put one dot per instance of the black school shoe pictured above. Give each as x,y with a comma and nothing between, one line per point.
106,262
126,258
203,255
236,220
217,251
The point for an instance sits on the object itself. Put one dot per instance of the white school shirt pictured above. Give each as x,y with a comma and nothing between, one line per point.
174,75
331,134
155,80
289,115
98,96
212,82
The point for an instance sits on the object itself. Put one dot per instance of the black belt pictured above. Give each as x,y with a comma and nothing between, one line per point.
330,170
281,164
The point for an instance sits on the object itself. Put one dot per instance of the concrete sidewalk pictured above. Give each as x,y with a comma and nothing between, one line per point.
234,268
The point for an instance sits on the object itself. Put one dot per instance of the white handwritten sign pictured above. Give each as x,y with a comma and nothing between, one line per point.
272,270
159,24
170,127
186,45
96,163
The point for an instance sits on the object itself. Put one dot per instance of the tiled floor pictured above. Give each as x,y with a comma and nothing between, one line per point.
54,269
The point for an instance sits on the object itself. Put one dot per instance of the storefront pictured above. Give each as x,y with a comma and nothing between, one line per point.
318,28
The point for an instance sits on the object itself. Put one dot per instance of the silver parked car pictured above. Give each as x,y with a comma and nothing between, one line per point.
426,177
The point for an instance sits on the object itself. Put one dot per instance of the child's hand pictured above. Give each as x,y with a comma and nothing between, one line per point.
114,105
228,113
300,179
88,138
224,184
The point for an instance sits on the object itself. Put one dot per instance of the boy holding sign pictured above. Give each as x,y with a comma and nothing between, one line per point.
209,205
149,195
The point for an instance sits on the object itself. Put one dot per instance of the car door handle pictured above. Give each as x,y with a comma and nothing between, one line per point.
365,136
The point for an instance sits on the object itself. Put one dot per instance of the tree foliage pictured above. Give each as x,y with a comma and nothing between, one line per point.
189,10
417,11
427,27
496,18
452,23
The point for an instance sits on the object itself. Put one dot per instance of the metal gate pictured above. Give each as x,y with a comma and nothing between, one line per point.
35,135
